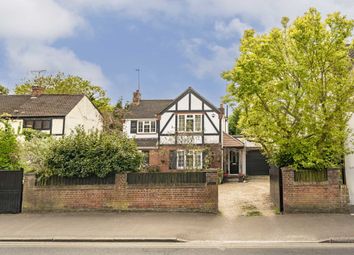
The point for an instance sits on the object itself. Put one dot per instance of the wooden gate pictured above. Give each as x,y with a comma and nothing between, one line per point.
11,184
276,187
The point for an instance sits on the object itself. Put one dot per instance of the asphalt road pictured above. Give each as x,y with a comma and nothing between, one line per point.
203,248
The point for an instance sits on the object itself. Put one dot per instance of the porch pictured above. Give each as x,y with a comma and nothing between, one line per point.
234,156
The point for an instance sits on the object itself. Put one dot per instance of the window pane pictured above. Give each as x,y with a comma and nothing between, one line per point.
28,124
146,159
153,126
189,160
37,124
189,125
181,123
198,123
180,159
140,126
198,159
146,126
46,124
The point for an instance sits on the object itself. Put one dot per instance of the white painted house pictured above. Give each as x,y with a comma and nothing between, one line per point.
55,114
180,133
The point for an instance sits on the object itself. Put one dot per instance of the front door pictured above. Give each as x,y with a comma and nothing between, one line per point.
234,159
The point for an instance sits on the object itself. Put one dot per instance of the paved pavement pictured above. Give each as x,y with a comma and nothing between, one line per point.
186,226
166,248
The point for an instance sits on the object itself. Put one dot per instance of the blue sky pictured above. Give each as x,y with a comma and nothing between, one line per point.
176,44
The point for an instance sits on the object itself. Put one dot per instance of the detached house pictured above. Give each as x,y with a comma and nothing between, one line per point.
55,114
189,132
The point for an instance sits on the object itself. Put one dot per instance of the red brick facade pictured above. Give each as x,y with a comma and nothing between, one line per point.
121,196
328,196
161,157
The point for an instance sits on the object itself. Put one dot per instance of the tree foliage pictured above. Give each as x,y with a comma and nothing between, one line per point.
93,154
233,120
9,149
4,90
294,89
67,84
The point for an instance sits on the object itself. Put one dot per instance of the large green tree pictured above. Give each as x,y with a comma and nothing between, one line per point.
4,90
67,84
233,120
294,89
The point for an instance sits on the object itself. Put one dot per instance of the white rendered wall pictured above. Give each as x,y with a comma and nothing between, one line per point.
83,114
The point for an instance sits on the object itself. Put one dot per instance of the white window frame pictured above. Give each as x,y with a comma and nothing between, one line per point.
196,154
182,127
142,124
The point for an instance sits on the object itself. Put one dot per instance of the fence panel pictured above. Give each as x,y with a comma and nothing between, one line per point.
66,181
175,178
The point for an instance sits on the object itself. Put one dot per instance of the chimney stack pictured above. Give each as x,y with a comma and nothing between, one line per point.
222,109
136,97
37,91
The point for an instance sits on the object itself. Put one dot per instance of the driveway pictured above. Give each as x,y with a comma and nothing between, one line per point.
249,198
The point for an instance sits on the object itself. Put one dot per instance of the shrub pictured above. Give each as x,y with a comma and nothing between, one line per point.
93,154
9,149
30,133
34,154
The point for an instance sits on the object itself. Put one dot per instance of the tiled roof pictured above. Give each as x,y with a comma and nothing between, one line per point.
146,142
230,141
147,108
44,105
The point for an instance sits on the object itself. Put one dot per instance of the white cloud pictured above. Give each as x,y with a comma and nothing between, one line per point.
220,58
234,28
30,27
24,58
36,20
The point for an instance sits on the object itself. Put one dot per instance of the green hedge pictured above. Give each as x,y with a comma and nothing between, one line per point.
93,154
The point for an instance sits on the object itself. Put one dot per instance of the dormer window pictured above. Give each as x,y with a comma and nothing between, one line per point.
189,123
146,126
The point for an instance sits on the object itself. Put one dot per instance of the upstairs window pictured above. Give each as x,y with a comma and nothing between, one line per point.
37,124
189,123
146,126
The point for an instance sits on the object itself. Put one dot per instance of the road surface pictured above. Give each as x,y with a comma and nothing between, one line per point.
202,248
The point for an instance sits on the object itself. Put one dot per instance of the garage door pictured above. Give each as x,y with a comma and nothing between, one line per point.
256,163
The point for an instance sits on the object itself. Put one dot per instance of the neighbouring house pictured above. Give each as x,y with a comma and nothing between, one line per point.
188,133
55,114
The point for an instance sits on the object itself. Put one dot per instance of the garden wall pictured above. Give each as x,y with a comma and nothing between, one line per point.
330,195
148,192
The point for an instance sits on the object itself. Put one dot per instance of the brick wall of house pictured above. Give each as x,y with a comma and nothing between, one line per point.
328,196
121,196
161,157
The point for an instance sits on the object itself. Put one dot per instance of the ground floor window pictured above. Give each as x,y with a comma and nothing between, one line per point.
191,159
38,124
146,158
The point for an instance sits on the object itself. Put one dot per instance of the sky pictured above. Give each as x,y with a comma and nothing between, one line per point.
175,43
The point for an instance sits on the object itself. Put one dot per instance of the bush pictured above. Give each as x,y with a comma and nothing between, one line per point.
30,133
34,154
9,149
94,154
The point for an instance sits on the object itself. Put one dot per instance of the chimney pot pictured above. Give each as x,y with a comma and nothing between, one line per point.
136,97
37,91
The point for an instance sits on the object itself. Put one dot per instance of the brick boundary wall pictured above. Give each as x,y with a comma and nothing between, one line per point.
329,196
121,196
